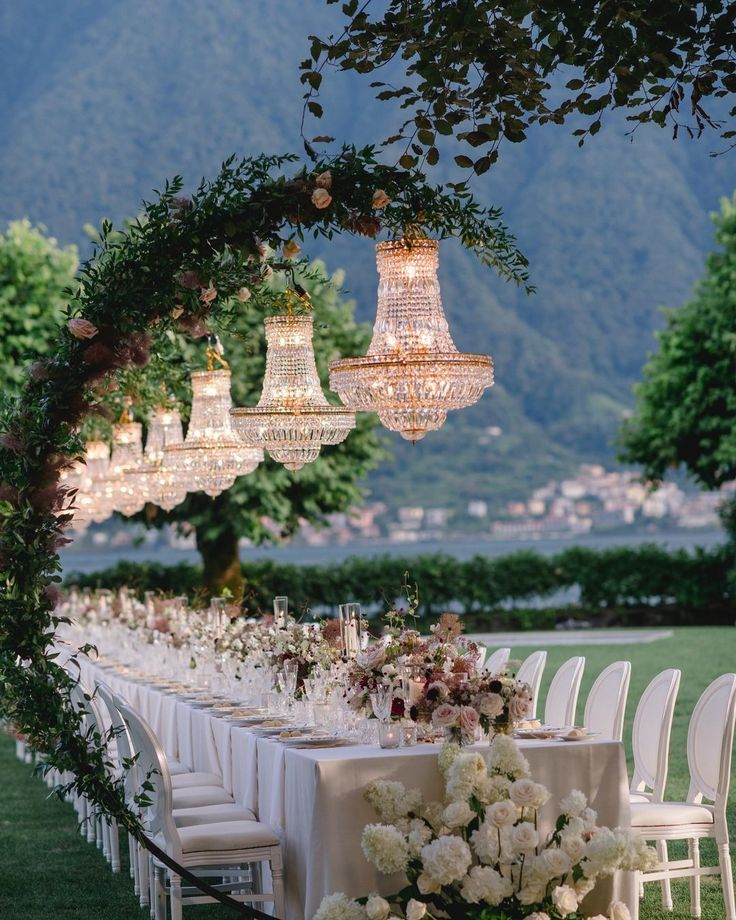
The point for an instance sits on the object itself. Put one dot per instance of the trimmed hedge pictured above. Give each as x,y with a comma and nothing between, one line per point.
641,585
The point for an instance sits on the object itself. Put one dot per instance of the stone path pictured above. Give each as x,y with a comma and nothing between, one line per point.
552,637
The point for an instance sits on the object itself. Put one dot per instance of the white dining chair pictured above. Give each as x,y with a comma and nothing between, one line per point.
562,696
709,752
496,661
530,672
605,707
650,743
193,803
229,848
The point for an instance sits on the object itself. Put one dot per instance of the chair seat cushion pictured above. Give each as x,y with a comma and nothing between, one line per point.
228,835
175,768
200,796
183,780
637,798
211,814
669,814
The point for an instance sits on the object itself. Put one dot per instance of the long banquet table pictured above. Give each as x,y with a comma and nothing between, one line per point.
314,797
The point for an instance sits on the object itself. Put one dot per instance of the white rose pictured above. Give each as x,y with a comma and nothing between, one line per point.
428,885
538,915
525,837
573,845
502,814
458,814
377,908
557,862
415,910
619,911
527,794
565,900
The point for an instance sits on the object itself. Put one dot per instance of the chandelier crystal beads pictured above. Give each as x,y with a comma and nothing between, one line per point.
155,482
293,419
212,456
126,454
412,374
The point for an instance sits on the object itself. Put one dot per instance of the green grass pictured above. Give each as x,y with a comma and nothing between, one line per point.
48,872
702,654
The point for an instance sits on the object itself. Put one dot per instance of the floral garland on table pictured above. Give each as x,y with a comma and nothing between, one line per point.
480,854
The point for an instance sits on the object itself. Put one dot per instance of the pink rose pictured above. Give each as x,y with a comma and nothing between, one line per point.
518,708
207,295
321,198
491,705
82,328
445,716
469,719
243,294
324,180
380,199
176,312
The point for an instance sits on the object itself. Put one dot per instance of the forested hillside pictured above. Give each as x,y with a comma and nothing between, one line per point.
101,102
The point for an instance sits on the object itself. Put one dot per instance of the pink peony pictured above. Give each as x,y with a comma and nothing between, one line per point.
321,198
445,716
469,719
82,328
519,708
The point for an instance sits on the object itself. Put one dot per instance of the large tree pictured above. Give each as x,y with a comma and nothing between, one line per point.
686,403
34,271
485,70
272,502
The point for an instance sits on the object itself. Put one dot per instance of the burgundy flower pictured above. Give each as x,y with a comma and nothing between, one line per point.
189,280
11,441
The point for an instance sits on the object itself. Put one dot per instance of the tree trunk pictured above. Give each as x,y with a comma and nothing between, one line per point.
221,561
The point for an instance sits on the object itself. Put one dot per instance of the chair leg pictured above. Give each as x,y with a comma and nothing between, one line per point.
133,857
663,857
693,847
152,888
277,885
160,889
114,845
143,877
175,896
724,858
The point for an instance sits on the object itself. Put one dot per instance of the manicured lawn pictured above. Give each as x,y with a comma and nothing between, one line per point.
48,872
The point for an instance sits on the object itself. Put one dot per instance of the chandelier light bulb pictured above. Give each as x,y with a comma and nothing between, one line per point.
412,374
293,419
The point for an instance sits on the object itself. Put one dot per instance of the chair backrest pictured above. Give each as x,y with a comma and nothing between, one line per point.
152,766
496,661
605,707
530,672
125,752
650,739
710,743
562,696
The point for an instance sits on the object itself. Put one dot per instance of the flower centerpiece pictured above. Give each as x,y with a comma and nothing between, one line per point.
480,855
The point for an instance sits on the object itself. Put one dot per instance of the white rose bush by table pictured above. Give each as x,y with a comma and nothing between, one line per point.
479,855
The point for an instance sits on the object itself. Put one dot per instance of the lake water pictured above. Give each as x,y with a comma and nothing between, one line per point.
460,548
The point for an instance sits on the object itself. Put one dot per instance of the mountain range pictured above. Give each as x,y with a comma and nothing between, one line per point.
102,102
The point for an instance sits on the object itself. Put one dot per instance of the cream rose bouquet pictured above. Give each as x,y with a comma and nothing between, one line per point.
480,855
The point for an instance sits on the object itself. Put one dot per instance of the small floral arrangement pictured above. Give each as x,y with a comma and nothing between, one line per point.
462,704
480,855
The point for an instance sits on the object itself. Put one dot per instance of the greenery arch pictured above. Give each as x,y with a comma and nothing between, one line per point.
182,261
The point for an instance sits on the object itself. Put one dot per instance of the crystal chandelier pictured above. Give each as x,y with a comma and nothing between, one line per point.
412,374
87,476
153,481
212,456
127,454
293,419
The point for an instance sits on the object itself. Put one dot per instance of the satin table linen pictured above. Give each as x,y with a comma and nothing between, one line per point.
314,798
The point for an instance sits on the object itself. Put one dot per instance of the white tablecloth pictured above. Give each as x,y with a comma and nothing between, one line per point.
314,798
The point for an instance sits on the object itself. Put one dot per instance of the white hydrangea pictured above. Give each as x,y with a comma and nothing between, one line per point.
419,835
490,789
386,847
485,842
458,814
339,907
506,758
574,803
484,885
462,776
446,859
391,800
604,852
433,813
448,752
